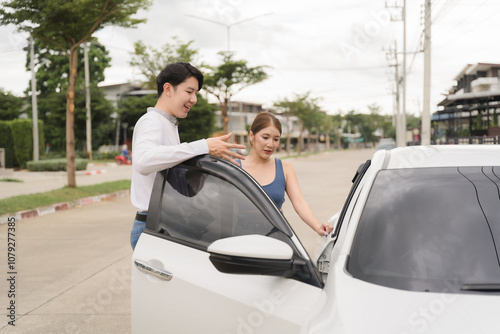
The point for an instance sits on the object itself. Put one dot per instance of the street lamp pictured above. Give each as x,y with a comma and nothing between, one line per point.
228,26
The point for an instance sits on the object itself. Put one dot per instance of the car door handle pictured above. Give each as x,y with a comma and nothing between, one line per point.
147,269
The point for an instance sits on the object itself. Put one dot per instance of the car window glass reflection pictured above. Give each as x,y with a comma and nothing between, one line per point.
199,208
429,229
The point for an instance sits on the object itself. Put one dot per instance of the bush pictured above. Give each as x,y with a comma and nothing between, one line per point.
53,155
7,143
54,165
22,135
96,155
17,136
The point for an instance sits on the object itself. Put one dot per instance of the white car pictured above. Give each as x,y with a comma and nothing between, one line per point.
414,250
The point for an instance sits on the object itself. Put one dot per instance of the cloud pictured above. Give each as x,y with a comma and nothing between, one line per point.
335,49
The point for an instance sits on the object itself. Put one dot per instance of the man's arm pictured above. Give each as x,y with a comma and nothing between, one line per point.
150,155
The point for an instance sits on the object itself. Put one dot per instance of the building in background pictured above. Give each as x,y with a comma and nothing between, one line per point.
469,112
241,114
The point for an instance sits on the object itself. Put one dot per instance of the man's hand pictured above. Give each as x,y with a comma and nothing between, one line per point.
219,147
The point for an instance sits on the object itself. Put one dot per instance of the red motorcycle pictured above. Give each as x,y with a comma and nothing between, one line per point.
123,160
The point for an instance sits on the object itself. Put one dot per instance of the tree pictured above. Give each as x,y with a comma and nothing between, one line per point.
150,61
326,127
10,106
51,83
131,108
197,125
284,108
367,124
52,111
53,67
306,109
229,78
363,123
65,25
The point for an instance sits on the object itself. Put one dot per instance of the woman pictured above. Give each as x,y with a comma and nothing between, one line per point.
274,175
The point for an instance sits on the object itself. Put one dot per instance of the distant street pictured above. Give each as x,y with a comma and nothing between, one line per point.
325,181
72,268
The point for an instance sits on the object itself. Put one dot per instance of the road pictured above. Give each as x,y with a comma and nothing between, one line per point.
72,268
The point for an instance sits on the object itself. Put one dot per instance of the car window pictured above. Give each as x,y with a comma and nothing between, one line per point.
199,208
430,229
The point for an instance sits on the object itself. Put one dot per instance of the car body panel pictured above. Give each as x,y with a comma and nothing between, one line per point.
361,307
443,156
200,299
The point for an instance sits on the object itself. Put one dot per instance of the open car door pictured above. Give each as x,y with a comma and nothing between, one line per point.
217,256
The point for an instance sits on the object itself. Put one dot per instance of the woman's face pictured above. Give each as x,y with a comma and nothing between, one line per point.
266,141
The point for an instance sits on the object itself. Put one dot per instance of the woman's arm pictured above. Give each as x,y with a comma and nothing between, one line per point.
299,203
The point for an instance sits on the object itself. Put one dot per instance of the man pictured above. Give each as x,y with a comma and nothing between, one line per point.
156,141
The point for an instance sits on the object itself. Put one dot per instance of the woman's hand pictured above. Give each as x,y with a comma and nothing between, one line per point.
324,229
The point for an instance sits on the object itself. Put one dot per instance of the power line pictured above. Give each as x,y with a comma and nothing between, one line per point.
446,8
483,21
332,69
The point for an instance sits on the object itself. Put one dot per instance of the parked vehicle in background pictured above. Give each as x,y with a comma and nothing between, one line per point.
413,250
386,144
123,160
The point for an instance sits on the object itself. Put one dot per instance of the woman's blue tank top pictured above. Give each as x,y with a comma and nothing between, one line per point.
276,189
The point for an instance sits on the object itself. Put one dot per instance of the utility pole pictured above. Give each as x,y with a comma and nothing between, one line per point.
87,99
401,119
36,153
425,136
392,55
403,77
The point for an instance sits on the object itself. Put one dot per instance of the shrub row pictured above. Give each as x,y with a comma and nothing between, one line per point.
96,155
16,137
52,165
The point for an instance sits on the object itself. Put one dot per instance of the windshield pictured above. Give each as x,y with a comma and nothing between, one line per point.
430,229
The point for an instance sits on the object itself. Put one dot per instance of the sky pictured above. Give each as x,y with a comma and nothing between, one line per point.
336,50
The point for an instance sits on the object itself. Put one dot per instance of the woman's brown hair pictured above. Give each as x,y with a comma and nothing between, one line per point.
263,120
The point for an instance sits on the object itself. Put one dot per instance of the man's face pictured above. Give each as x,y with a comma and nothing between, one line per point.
182,98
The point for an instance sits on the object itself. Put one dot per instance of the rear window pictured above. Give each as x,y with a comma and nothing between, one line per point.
430,229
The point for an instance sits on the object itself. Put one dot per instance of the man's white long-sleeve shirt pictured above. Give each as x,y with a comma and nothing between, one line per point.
155,147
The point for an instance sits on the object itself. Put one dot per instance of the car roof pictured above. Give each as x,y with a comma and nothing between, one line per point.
439,156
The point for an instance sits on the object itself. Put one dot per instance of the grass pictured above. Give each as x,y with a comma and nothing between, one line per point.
66,194
8,179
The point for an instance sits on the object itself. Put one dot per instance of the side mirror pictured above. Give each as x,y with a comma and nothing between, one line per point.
252,255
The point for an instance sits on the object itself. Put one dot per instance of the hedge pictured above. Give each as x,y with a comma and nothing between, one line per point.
7,143
53,165
16,137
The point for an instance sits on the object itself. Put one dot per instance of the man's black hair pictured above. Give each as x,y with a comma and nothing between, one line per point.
177,73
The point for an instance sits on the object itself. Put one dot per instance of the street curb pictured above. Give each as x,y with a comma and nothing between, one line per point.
42,211
95,172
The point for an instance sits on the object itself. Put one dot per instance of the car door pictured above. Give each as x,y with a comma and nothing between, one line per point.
217,256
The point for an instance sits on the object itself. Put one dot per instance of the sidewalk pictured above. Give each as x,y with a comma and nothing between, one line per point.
36,182
39,182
